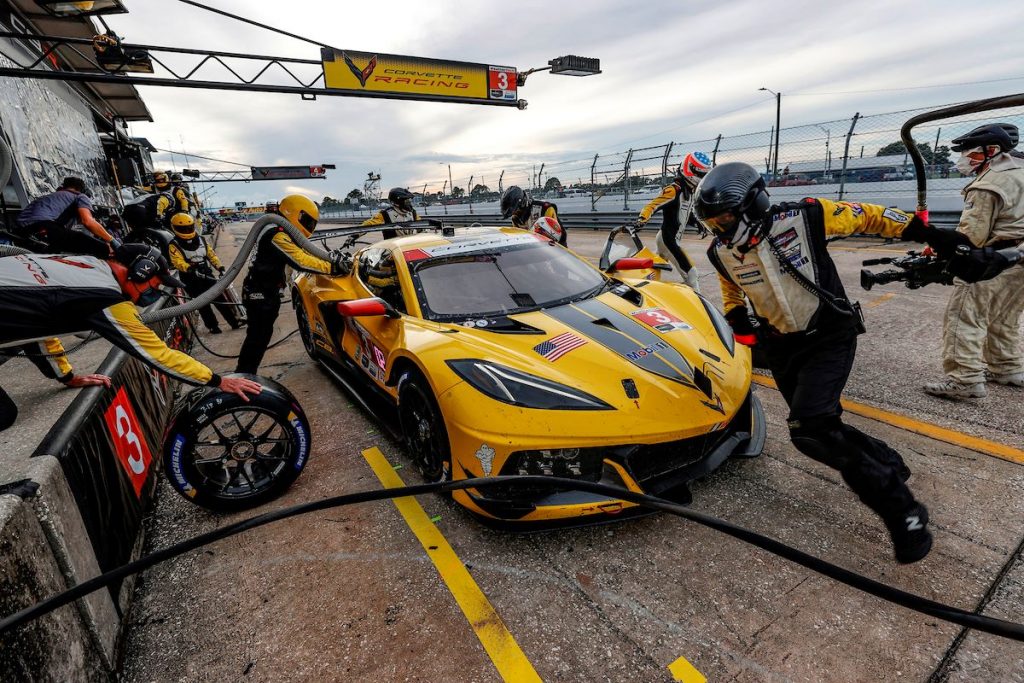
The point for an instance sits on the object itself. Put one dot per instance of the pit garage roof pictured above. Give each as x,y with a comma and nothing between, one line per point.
110,99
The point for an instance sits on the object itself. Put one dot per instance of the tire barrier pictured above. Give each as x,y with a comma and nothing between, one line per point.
994,626
226,454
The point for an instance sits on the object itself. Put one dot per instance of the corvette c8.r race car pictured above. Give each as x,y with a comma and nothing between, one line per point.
494,351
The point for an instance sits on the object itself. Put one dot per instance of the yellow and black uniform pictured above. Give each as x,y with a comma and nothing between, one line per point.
391,214
148,211
54,295
674,205
799,232
180,195
776,259
540,209
196,261
262,289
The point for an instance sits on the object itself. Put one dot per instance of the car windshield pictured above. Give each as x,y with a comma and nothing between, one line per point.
501,281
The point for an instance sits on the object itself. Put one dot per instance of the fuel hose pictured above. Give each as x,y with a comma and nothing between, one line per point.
938,610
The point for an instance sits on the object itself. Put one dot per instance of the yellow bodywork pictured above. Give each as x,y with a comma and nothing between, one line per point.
667,410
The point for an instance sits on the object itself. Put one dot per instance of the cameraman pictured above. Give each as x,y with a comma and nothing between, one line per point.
775,257
982,326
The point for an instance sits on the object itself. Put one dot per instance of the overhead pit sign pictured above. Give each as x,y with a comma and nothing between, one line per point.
287,172
418,78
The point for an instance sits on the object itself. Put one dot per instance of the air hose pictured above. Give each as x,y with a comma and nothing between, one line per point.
266,222
998,627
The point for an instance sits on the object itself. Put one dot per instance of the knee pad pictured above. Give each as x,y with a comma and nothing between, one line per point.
821,439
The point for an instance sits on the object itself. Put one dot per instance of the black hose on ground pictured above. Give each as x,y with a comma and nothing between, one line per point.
998,627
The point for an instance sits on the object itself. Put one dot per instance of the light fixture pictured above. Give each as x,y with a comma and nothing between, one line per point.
571,65
69,8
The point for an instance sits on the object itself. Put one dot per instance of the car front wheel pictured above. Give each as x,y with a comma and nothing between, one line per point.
426,438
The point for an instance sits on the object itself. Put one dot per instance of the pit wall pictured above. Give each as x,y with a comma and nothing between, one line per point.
75,509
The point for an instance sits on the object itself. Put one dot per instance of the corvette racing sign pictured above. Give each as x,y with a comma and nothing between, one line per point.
430,78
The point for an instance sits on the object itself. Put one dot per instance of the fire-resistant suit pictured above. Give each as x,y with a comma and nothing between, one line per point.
810,345
674,205
196,260
540,209
391,214
982,326
263,287
54,295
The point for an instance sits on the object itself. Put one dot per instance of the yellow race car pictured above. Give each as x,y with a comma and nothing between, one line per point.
495,351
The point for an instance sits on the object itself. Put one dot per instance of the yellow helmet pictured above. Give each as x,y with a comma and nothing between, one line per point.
301,211
184,225
161,180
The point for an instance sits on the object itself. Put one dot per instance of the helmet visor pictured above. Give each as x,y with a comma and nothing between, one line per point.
724,224
307,222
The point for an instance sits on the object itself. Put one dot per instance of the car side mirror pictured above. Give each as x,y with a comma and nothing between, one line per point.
370,307
633,263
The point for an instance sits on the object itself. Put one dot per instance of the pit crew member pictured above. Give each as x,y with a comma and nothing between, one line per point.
195,260
524,211
400,211
50,220
674,205
48,295
775,258
265,282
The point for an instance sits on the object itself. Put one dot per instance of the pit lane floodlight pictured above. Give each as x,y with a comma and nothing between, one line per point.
67,8
568,65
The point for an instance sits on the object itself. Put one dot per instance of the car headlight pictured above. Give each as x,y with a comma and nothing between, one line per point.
522,389
722,326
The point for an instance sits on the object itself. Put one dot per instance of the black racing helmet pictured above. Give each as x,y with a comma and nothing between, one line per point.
400,198
1004,135
514,201
732,202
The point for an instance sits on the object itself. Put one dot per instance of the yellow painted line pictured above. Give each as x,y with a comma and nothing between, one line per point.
682,670
501,647
880,300
932,431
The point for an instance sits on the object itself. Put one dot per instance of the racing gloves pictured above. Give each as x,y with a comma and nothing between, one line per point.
944,242
341,263
743,328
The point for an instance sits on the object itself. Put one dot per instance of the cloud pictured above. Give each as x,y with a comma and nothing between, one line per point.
671,71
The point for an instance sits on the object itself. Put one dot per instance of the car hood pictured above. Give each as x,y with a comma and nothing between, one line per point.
659,354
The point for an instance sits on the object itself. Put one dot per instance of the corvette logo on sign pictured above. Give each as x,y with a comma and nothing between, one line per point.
364,73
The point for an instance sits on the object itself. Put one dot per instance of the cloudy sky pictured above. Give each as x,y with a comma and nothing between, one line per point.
672,70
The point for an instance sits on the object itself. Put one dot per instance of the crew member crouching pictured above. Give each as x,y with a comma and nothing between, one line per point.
194,258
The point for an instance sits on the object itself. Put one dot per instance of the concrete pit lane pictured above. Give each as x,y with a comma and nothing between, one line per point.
354,593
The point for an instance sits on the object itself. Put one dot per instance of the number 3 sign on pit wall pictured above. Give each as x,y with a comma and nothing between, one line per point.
129,443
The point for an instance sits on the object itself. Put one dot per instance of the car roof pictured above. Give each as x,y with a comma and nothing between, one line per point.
467,237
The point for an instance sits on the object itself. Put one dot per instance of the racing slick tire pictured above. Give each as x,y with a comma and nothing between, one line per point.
422,423
225,454
302,322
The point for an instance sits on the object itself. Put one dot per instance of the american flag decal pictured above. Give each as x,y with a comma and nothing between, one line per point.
556,347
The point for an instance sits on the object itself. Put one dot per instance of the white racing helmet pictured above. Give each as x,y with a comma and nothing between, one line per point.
548,227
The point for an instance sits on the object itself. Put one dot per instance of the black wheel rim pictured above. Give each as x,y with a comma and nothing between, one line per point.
241,453
425,439
304,332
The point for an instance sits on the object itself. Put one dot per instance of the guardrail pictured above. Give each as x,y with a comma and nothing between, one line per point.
598,220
